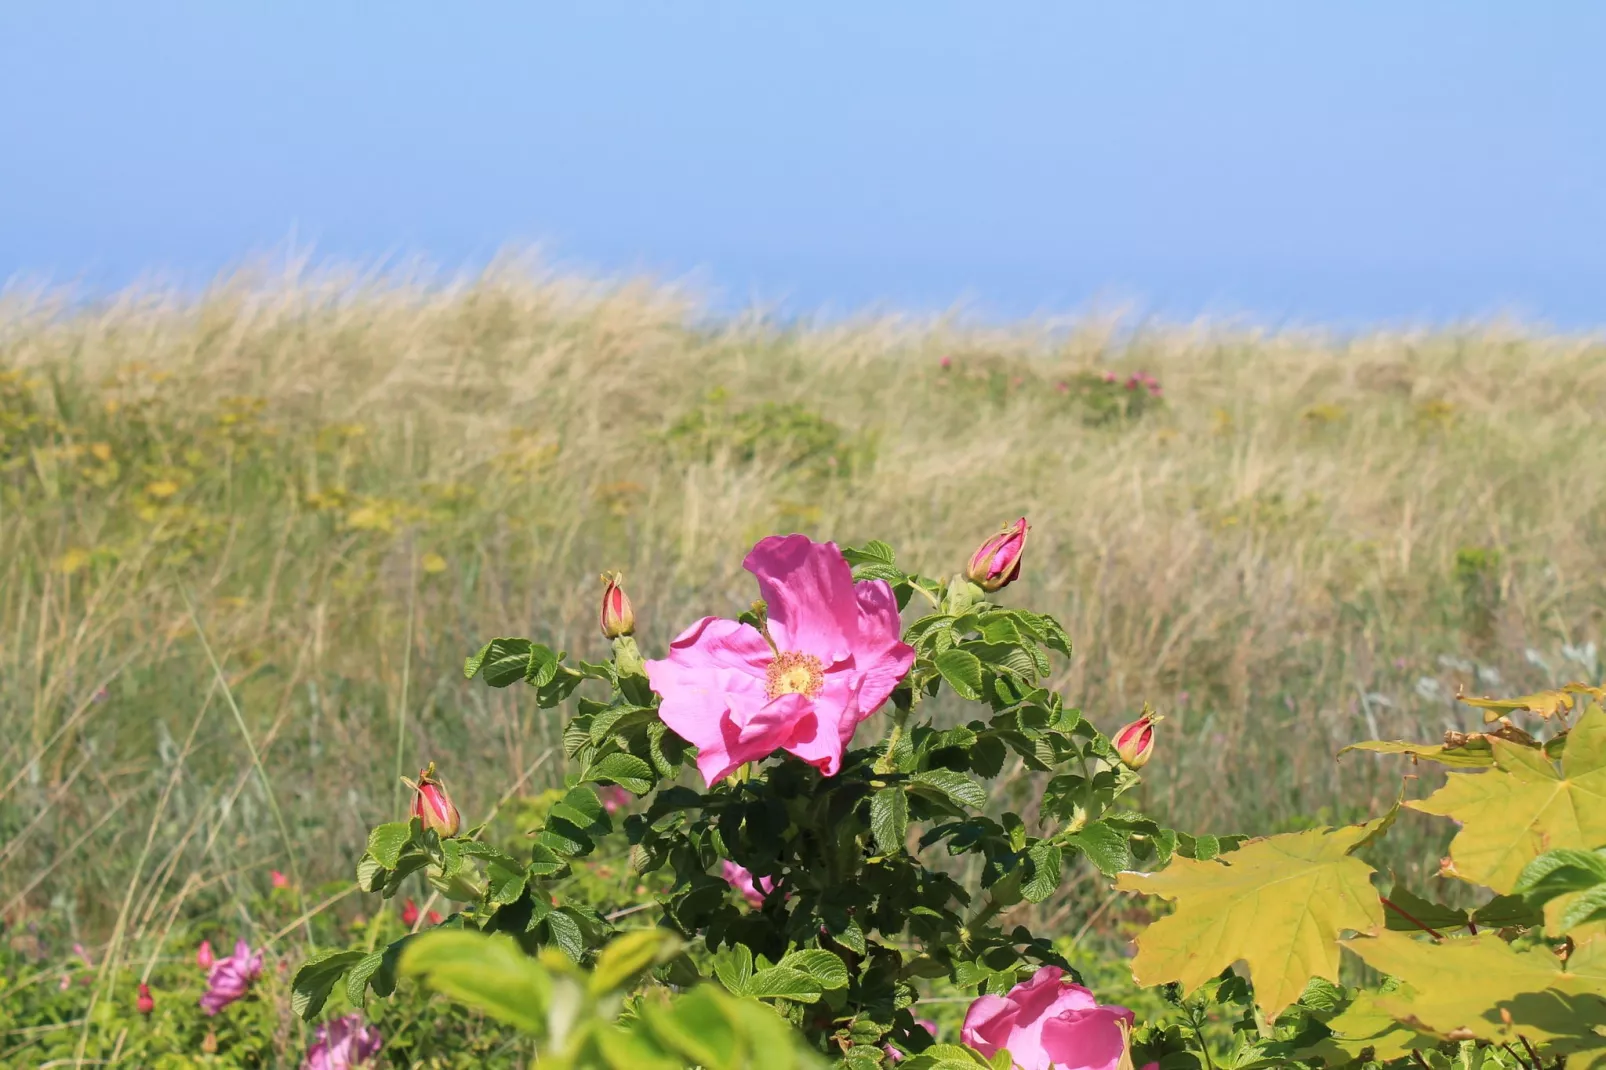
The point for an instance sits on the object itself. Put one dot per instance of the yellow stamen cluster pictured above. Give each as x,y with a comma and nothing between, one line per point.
794,673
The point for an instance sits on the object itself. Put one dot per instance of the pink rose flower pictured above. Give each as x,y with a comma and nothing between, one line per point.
343,1044
614,798
831,657
1049,1023
279,879
230,979
740,878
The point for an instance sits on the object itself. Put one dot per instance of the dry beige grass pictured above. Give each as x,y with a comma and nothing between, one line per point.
1315,539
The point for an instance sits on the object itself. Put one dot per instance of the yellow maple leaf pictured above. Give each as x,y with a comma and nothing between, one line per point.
1278,903
1524,806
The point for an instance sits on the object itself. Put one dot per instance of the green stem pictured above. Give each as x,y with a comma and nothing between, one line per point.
401,708
256,762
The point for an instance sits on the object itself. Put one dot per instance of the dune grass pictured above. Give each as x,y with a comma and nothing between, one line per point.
1304,541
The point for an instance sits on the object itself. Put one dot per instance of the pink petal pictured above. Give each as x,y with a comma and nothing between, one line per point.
712,684
1088,1039
881,655
821,739
808,588
988,1023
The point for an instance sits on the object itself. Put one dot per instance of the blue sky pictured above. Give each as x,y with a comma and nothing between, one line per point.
1341,162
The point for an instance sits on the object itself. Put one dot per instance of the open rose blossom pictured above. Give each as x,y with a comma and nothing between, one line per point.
740,878
830,659
230,979
1049,1023
343,1044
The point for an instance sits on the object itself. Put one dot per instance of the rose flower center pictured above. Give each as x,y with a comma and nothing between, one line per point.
794,673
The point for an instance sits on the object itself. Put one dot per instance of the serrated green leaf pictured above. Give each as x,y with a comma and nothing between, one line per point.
734,968
500,662
955,786
962,670
566,933
1104,846
820,964
625,770
312,982
386,842
370,874
889,819
1045,861
785,983
504,881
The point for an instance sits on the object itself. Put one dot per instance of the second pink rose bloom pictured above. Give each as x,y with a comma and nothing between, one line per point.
1049,1023
832,657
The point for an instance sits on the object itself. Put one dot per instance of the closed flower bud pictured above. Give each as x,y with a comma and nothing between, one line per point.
145,1003
432,806
203,955
1135,742
618,617
996,562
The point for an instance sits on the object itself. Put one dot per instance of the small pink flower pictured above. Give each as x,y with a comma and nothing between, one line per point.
741,879
615,798
145,1004
203,955
1109,377
279,879
343,1044
617,617
83,956
432,806
1135,742
946,363
1049,1023
66,983
230,979
896,1056
1063,387
830,656
996,562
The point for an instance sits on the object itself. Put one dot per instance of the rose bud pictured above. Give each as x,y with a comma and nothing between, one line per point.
145,1004
432,806
618,617
1135,742
996,562
203,955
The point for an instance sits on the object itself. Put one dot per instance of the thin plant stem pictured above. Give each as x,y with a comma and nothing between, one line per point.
256,761
407,665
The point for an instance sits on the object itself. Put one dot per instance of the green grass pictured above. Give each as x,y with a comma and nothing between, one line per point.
1311,539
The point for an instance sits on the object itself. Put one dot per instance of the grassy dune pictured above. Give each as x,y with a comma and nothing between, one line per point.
339,486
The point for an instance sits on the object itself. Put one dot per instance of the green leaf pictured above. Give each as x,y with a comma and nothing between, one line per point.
1474,754
379,969
1278,903
581,807
1591,906
566,933
820,964
1104,846
700,1027
626,770
504,883
1422,912
784,982
1045,878
630,955
734,968
370,874
488,973
1506,911
1560,872
962,670
312,982
501,661
387,841
889,819
954,786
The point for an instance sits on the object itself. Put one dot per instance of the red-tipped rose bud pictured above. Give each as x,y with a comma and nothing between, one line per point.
432,806
618,618
1135,742
203,955
145,1004
996,562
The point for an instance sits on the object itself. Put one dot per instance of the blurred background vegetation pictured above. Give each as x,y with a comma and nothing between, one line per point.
340,484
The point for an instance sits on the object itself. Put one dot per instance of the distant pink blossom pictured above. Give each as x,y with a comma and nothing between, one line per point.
83,956
830,658
615,798
230,979
145,1003
946,363
1109,377
343,1044
740,878
203,955
1049,1023
279,879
